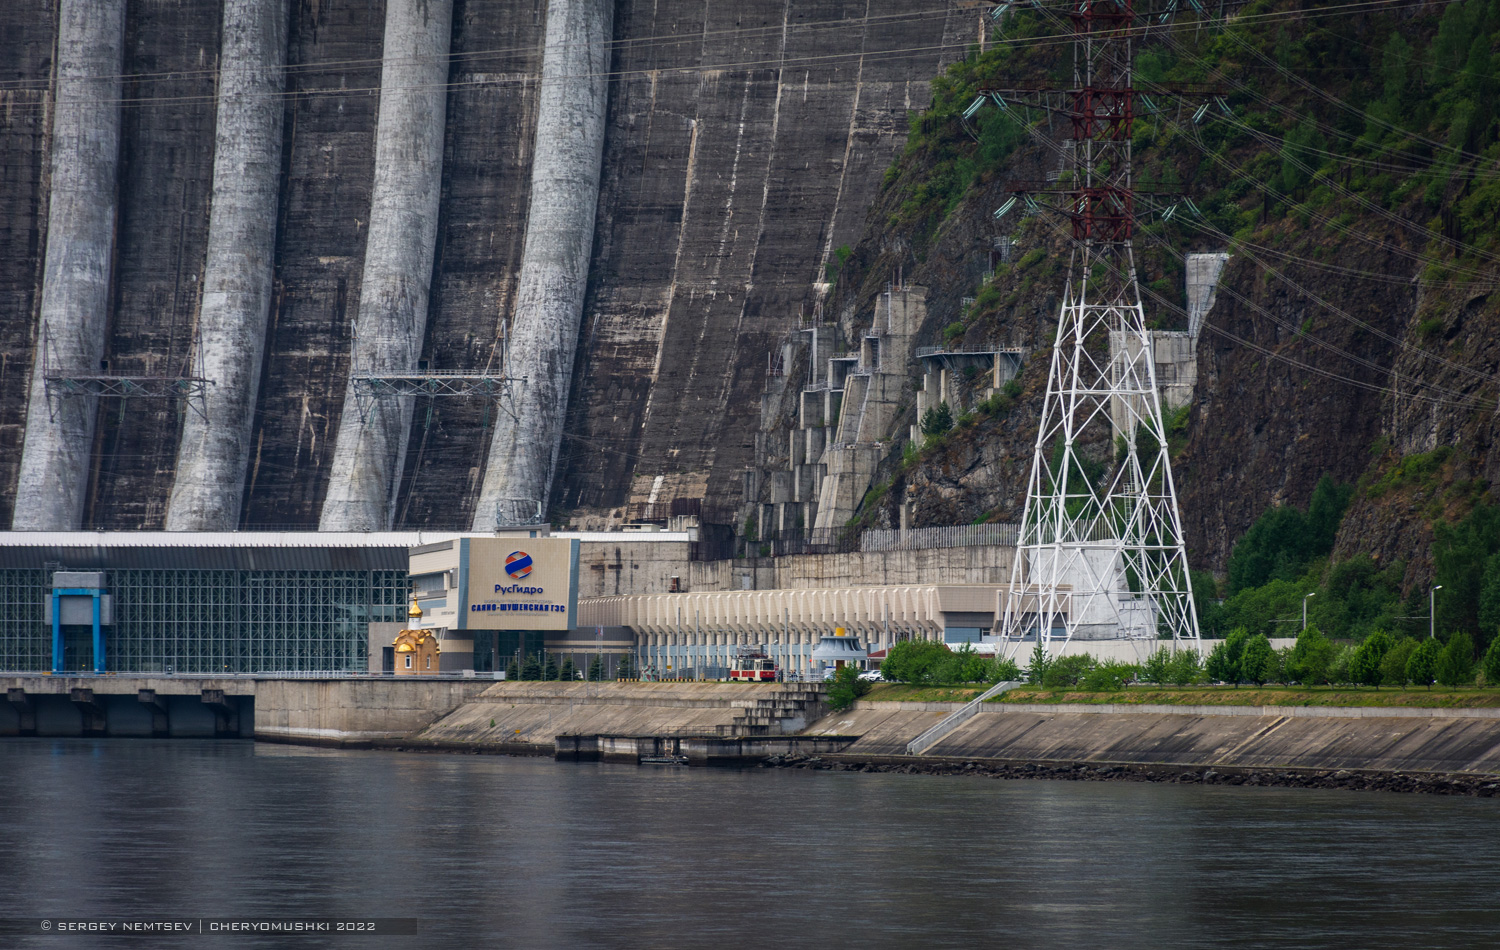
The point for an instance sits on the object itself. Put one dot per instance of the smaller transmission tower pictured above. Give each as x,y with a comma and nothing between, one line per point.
1101,552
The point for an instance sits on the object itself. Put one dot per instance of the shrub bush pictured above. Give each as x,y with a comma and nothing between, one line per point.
1066,671
1186,668
914,661
846,688
1108,676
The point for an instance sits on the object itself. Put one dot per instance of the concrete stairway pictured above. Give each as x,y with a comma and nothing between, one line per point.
789,709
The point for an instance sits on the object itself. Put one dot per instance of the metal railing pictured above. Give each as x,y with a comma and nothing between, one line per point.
968,349
958,717
947,536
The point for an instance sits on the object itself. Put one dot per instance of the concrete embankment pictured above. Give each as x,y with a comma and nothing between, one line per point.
1305,740
529,718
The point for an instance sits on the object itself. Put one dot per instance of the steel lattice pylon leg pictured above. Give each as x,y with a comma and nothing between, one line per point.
1101,555
1101,559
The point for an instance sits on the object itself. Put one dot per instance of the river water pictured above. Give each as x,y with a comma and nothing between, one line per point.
515,852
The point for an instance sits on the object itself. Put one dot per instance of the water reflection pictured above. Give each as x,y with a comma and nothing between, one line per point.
531,853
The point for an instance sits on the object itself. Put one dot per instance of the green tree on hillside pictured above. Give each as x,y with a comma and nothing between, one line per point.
1157,666
1066,671
1365,665
1258,660
1186,668
1393,667
845,688
1311,658
1283,540
1455,665
1489,599
1460,559
1224,660
1036,670
1421,667
1491,664
1206,602
936,420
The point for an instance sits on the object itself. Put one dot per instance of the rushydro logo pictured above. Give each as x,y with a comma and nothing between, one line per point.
518,564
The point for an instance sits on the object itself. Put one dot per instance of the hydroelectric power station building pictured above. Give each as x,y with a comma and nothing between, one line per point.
331,602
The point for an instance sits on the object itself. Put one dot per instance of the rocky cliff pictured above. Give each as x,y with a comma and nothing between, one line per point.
1341,165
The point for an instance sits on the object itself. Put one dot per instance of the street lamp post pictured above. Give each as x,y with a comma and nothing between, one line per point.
1304,610
1432,612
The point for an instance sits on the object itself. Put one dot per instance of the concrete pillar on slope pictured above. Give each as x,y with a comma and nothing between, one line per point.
369,453
76,276
554,262
238,267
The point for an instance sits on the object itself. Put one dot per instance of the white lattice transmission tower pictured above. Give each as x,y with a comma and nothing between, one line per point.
1101,550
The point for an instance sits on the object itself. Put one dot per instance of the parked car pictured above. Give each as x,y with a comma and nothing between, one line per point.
872,676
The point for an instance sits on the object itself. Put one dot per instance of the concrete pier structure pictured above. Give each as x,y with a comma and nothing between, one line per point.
392,318
237,280
1203,272
76,282
554,263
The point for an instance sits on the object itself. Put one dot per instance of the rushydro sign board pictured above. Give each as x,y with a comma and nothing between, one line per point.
497,583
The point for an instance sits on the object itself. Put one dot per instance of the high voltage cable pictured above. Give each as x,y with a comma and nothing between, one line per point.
1464,401
1311,171
1457,246
1208,228
1339,269
1332,131
781,61
660,39
1302,291
1329,97
1315,215
1448,397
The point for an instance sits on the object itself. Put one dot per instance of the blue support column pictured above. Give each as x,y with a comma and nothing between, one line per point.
98,638
95,595
57,643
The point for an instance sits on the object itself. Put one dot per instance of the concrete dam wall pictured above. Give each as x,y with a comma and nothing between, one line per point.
739,145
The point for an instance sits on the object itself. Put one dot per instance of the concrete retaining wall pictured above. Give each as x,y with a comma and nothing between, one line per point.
353,711
1394,740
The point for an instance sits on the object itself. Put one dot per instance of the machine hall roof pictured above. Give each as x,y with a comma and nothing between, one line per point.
750,613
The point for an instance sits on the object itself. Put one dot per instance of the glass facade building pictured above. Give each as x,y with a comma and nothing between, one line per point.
209,603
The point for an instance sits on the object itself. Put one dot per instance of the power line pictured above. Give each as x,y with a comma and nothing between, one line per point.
779,62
